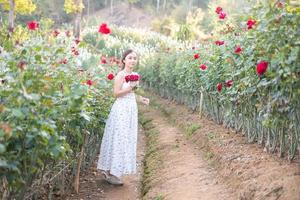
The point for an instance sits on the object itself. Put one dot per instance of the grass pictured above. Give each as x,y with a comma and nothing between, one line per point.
152,160
191,129
159,197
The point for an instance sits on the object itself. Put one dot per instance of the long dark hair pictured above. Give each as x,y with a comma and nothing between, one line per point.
128,51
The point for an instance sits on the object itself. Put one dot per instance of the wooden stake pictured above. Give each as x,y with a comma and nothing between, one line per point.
76,180
201,104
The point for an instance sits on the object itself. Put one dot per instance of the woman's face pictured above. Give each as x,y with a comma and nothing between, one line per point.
131,60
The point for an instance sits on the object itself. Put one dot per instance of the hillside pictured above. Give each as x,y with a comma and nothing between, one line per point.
124,15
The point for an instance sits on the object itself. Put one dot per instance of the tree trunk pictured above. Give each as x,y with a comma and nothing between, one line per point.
157,5
11,17
77,23
165,4
111,7
88,9
190,5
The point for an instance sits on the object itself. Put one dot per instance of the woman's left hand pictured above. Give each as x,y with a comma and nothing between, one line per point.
145,101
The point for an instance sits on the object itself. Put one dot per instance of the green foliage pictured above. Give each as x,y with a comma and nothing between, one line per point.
184,33
22,7
271,101
46,105
73,6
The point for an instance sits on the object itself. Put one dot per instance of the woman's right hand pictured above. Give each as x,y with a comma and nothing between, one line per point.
133,84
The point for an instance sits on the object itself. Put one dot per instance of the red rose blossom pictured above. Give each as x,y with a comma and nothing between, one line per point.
196,56
219,87
21,65
110,76
229,83
280,5
203,67
68,33
32,25
132,77
64,61
103,29
218,10
89,82
77,41
219,42
55,33
261,67
251,23
238,49
222,15
103,60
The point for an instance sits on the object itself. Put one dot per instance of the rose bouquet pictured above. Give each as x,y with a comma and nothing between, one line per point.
133,78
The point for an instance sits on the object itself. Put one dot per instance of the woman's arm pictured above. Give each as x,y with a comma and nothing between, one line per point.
142,99
118,91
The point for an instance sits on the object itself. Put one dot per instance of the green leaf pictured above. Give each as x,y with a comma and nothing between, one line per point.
85,116
2,148
34,97
17,113
38,48
3,163
38,57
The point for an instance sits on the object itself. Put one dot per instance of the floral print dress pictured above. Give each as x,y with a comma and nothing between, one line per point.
119,142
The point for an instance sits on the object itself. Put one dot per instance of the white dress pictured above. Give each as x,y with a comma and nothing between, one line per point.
119,142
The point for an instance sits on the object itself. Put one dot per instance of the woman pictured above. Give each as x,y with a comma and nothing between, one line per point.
118,147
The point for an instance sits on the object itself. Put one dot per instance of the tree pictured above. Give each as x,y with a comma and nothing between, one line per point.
111,7
76,7
131,2
14,7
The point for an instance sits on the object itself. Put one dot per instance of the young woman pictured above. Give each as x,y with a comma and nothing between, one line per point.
118,147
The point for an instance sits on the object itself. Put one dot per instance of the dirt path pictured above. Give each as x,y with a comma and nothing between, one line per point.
184,174
196,159
94,187
250,172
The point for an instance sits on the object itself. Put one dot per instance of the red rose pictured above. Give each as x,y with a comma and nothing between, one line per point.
104,29
64,61
89,82
33,25
229,83
238,49
110,76
203,67
21,65
103,60
251,23
55,33
261,67
75,52
196,56
77,41
132,77
219,87
127,78
280,5
222,15
68,33
219,42
219,10
111,60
